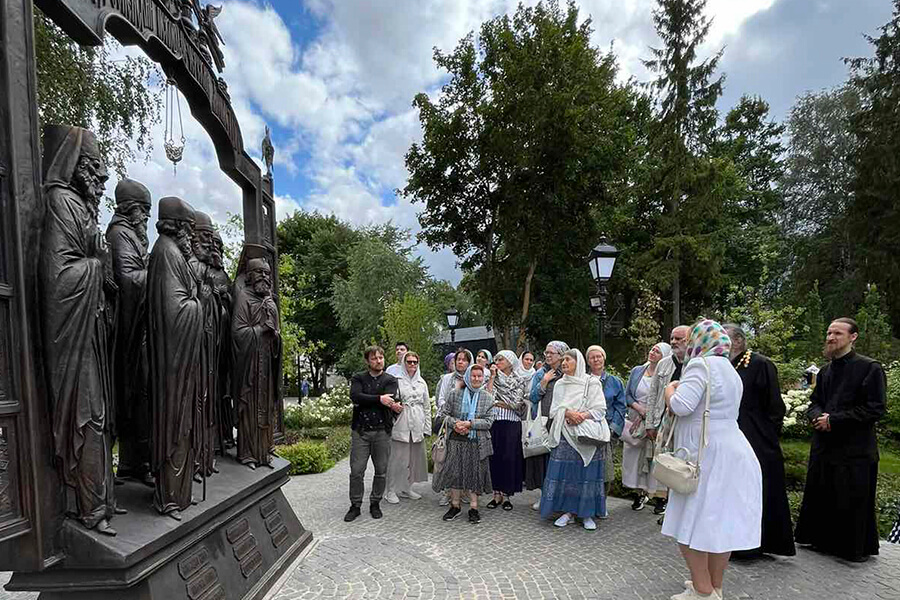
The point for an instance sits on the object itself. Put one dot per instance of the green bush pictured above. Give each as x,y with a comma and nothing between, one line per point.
338,442
329,409
889,426
306,457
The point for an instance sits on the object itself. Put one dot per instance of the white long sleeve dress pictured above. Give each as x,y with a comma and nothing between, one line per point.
725,513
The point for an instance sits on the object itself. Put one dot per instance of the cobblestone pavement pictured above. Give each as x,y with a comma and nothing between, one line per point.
412,553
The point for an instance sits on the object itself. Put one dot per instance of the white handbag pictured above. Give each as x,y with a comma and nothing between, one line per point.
674,472
535,435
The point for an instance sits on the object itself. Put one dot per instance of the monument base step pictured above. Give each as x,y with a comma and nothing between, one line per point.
233,546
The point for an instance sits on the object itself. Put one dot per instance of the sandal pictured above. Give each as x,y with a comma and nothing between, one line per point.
493,504
507,505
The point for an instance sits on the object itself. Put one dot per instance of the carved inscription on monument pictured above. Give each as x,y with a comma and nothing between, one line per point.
201,577
244,547
274,522
6,484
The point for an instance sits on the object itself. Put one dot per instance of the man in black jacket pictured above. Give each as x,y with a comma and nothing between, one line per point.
374,397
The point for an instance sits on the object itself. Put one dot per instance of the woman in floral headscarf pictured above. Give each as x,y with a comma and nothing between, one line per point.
725,512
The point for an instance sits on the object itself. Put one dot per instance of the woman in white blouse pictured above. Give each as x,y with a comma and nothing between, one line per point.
725,512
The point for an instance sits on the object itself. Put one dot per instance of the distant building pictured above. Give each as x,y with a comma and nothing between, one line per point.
470,338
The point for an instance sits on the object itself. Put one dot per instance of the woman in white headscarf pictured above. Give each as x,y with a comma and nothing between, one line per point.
574,482
635,458
408,464
525,368
507,461
541,396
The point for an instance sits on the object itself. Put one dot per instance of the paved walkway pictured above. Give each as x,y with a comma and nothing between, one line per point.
412,553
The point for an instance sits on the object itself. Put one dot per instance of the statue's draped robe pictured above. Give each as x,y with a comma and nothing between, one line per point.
206,409
256,350
222,290
174,338
130,368
76,338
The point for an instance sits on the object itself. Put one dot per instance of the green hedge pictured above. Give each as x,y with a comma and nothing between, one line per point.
306,457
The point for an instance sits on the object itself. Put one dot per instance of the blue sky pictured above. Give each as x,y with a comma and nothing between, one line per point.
334,79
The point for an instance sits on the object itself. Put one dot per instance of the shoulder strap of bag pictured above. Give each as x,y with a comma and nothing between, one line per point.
704,424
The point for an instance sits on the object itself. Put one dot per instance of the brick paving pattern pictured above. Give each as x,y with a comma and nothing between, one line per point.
412,553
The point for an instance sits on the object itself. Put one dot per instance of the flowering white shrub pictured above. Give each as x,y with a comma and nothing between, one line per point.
332,408
796,402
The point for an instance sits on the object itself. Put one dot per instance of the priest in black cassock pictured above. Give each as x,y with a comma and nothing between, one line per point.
838,511
760,419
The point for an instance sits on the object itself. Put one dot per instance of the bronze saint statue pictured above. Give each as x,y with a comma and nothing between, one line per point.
127,239
205,408
222,291
75,293
174,337
256,343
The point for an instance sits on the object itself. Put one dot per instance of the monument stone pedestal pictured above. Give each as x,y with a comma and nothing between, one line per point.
233,546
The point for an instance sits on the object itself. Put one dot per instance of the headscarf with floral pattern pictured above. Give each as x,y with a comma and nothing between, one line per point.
708,338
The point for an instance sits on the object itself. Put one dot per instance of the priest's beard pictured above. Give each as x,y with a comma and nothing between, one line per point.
140,230
832,351
88,185
262,287
185,243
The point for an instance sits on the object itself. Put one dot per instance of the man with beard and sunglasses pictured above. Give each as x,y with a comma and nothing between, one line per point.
127,239
76,291
838,510
175,333
256,343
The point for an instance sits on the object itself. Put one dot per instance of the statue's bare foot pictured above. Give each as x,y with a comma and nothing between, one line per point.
118,510
198,478
104,528
194,501
174,514
252,465
270,465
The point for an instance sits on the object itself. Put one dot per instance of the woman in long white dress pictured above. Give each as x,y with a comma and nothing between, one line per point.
725,512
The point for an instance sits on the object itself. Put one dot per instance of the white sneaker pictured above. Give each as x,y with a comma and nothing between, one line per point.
589,524
445,500
411,495
689,585
536,505
391,498
563,520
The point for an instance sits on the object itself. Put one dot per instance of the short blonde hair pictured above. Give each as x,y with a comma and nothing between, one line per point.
595,348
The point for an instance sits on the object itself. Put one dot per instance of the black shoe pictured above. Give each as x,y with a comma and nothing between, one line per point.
493,504
352,514
375,510
660,508
474,517
452,513
640,501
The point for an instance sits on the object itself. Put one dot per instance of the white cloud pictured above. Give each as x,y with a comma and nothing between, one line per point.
345,96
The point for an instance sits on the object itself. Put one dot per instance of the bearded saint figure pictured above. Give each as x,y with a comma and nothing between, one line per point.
175,317
256,344
206,409
127,239
76,291
222,290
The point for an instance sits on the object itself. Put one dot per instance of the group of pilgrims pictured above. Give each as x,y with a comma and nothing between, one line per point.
156,351
489,406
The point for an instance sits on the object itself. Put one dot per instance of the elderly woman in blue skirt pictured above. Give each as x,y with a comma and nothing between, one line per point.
507,462
575,473
468,413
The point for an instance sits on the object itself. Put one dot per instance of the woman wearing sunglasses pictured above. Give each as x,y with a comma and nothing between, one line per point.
407,464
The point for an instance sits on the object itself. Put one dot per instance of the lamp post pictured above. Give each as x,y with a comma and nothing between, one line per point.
299,380
601,261
452,322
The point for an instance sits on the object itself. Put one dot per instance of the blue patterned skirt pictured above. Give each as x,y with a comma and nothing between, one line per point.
571,487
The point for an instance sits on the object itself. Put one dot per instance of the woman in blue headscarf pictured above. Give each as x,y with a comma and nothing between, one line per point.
467,414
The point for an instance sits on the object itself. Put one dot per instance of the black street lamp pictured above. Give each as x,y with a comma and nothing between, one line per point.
452,322
602,261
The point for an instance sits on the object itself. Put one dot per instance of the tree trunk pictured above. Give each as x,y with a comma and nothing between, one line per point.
676,300
526,301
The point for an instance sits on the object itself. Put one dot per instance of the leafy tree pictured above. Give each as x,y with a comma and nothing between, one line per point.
644,327
874,328
522,142
873,217
415,320
814,326
86,87
378,276
689,187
